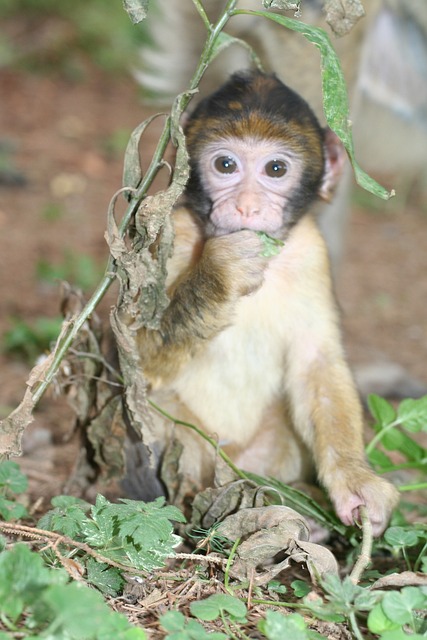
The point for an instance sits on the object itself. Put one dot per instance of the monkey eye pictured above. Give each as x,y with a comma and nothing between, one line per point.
276,168
225,164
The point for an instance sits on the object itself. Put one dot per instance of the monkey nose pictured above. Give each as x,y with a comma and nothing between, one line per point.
247,209
247,212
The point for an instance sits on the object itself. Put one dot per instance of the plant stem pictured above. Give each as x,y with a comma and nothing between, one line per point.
287,605
227,626
241,474
229,563
413,487
380,435
419,464
200,8
420,557
354,625
110,272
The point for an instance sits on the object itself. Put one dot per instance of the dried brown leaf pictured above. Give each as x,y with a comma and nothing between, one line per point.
267,532
13,427
342,15
404,579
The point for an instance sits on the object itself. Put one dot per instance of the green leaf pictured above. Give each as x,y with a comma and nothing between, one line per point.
173,621
182,629
65,502
335,100
399,606
399,634
67,520
117,627
23,577
413,414
212,607
100,531
108,579
378,622
137,9
11,510
379,459
275,586
277,626
12,478
272,246
366,599
400,537
78,610
395,440
300,588
147,523
381,410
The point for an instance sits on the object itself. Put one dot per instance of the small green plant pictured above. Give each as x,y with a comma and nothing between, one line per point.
78,269
392,428
277,626
38,602
29,340
210,540
129,534
79,29
400,615
300,588
400,539
12,484
221,606
385,612
52,212
179,628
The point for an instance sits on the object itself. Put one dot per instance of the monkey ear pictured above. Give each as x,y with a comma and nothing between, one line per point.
335,157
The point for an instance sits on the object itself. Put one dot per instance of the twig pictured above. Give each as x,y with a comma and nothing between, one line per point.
195,557
42,535
241,474
364,558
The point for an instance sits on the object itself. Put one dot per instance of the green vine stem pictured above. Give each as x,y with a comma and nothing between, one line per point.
241,474
380,435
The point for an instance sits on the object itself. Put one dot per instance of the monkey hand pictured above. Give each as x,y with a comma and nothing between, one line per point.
239,258
365,489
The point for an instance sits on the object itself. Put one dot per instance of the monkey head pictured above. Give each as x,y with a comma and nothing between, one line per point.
258,157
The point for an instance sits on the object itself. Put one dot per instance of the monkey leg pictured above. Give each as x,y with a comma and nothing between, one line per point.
275,450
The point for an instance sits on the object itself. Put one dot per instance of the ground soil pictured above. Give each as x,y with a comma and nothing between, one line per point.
60,130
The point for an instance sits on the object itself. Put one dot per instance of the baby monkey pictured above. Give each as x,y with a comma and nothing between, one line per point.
249,347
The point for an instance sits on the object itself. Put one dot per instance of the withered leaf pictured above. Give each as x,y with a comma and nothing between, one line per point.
404,579
267,532
342,15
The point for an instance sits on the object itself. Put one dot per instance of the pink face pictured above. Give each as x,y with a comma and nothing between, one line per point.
249,182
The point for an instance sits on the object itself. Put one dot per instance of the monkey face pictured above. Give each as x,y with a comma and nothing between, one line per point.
249,182
258,157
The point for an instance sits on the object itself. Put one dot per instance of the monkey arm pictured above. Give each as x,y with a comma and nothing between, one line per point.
324,402
206,279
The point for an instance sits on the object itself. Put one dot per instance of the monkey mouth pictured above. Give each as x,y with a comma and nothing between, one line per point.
273,224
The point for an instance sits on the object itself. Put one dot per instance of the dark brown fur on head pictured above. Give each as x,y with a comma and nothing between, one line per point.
258,105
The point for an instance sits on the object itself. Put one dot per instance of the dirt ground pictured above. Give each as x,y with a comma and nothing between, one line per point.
60,132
